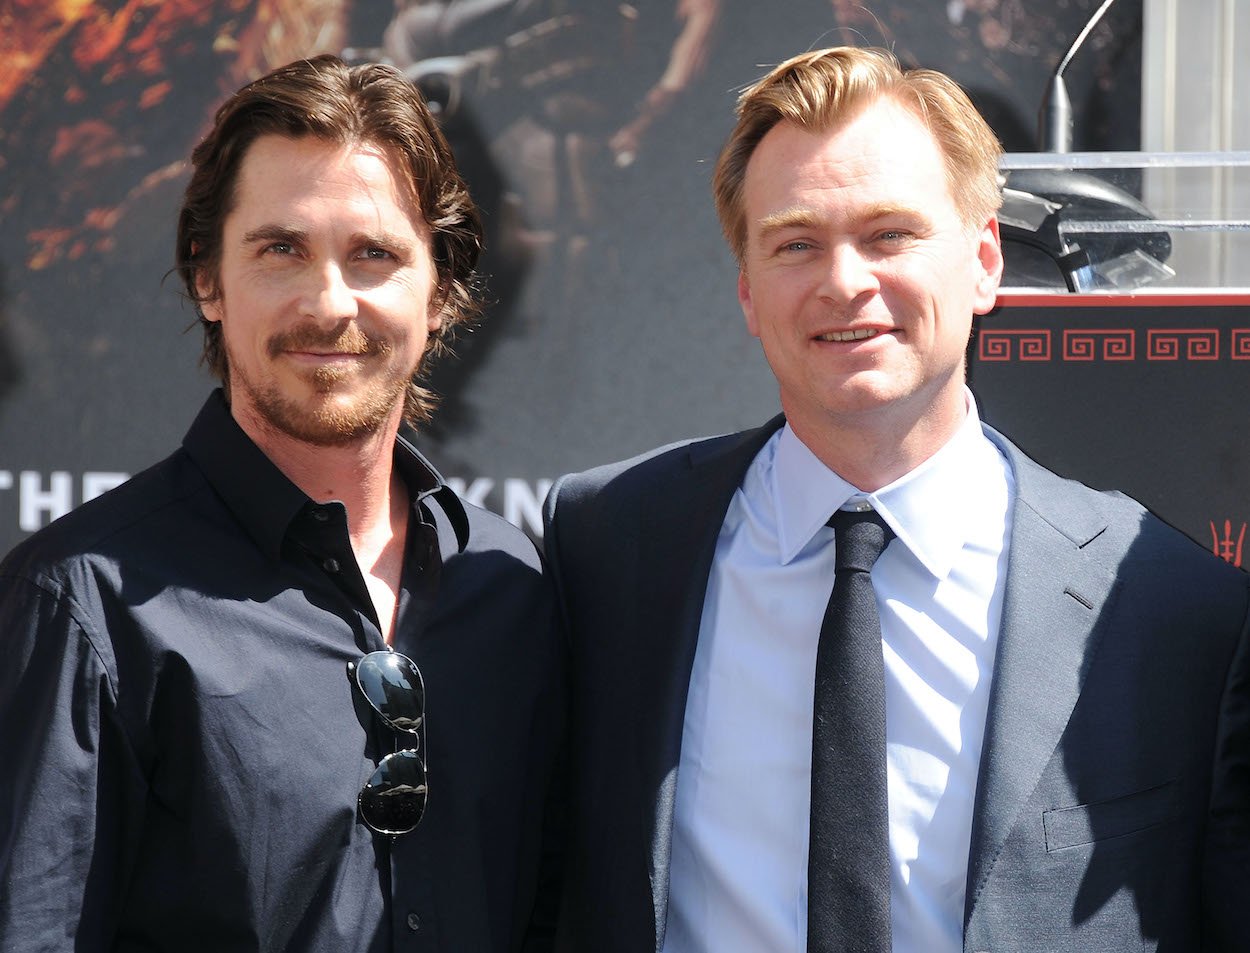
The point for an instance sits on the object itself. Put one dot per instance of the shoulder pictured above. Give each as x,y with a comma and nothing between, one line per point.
1118,529
636,480
488,553
491,533
493,596
62,589
621,474
129,524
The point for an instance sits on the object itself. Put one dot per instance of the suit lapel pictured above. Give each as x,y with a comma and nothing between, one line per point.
1058,587
680,532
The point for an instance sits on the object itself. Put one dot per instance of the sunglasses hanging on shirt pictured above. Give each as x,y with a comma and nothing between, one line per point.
393,799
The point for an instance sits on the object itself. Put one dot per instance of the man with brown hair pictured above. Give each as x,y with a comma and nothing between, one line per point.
284,690
868,678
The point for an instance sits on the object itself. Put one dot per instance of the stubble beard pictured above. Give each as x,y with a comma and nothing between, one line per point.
328,419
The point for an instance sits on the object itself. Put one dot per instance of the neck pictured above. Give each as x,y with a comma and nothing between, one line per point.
360,474
873,450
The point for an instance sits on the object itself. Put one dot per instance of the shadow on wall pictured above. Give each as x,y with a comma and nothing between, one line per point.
9,369
502,270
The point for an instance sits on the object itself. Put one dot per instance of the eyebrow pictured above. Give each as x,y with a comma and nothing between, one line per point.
275,233
295,235
801,217
797,217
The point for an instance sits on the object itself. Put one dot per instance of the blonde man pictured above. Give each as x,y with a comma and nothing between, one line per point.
1022,735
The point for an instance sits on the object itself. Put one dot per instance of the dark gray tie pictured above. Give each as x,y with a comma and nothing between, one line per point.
848,866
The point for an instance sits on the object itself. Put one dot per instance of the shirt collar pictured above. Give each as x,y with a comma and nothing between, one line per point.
262,498
424,482
928,508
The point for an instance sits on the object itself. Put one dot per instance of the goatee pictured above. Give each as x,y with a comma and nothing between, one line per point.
330,419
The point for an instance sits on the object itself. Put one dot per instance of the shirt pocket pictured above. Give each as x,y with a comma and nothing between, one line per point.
1101,820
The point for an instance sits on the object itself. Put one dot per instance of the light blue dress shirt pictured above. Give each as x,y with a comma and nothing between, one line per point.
738,879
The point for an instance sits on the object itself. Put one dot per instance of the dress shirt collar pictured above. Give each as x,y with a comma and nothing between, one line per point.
928,508
265,501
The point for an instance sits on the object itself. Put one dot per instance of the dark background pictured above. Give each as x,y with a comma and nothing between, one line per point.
615,325
1145,398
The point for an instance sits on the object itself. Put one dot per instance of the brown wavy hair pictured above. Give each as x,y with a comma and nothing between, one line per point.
324,98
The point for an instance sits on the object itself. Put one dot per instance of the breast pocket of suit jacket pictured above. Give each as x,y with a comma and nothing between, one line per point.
1115,817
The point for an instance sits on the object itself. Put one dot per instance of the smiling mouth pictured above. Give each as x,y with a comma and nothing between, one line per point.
858,334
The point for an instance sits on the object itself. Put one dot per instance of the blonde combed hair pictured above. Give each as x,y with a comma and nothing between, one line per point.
820,90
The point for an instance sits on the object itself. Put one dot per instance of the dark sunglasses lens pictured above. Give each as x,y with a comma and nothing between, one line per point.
392,684
393,800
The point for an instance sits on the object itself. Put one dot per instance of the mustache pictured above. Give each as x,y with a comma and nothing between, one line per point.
350,340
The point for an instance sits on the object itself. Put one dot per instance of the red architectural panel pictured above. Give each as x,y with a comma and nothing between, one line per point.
1190,344
1021,345
1099,344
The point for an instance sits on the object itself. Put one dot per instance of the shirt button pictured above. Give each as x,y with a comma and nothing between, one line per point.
414,922
330,565
320,515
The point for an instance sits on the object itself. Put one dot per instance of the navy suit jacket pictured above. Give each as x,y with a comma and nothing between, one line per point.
1111,810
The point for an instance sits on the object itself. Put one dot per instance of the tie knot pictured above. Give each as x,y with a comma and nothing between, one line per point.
859,537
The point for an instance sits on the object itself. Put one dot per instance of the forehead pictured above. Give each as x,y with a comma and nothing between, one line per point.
884,153
282,176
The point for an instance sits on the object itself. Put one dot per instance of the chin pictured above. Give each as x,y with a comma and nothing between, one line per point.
328,420
860,398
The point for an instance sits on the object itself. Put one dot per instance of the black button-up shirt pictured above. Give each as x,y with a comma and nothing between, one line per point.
182,746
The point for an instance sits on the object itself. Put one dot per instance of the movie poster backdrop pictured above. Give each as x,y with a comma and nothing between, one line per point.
588,131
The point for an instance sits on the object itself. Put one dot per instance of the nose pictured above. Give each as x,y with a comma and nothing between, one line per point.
328,297
849,275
